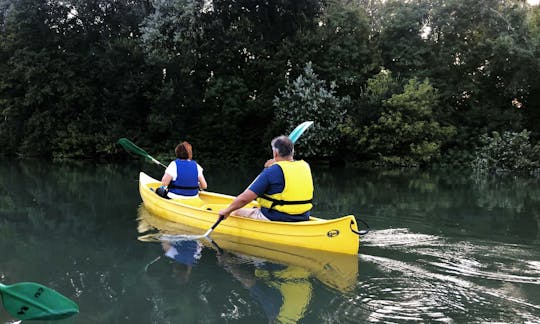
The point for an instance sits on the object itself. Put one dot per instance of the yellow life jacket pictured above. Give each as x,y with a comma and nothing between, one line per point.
295,199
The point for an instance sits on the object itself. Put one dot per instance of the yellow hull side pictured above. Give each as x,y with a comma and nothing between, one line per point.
336,270
333,235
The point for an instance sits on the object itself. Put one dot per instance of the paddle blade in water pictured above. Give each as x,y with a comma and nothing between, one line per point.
299,130
158,237
33,301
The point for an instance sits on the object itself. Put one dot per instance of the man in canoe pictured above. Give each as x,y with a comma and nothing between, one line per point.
284,189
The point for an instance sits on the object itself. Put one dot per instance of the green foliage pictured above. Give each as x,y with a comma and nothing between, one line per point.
169,32
338,45
70,73
405,133
307,98
481,60
76,76
402,42
476,53
221,71
532,101
509,151
377,90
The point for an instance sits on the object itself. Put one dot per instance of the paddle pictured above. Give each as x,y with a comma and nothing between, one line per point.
299,130
33,301
130,146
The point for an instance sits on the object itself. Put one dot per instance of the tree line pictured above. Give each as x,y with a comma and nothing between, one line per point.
399,83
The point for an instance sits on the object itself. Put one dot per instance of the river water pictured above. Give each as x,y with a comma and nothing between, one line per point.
444,246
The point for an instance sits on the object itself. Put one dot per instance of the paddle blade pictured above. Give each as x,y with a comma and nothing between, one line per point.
130,146
32,301
158,237
299,130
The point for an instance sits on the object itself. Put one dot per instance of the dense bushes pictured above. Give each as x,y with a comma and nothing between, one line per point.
403,132
391,82
508,151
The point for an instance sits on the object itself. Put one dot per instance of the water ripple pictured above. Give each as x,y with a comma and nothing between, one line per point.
428,278
397,237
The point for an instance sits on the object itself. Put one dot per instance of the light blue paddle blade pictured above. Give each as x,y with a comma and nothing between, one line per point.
299,130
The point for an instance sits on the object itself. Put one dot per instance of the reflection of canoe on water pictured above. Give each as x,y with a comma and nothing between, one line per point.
336,270
334,235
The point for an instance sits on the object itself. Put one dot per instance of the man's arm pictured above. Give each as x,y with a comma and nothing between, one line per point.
243,199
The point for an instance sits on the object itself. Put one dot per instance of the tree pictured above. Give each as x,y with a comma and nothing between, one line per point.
307,98
221,68
402,38
481,61
476,53
405,133
338,45
531,104
70,69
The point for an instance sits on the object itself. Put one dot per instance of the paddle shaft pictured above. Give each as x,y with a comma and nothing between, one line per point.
177,238
130,146
221,217
157,162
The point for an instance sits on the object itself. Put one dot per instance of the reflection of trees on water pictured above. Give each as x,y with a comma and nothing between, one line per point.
507,191
517,194
65,226
72,227
57,195
74,224
508,205
536,214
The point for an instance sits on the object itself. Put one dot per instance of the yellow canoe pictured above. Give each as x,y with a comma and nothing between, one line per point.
336,270
333,235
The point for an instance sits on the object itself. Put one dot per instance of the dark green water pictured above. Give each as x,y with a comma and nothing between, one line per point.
444,246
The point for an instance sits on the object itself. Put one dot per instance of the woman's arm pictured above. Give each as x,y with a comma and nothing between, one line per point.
166,179
202,182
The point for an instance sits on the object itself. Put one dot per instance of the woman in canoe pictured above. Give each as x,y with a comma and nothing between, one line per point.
284,189
184,176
